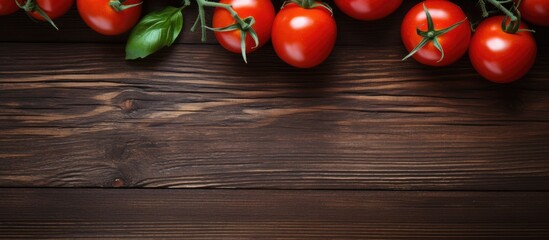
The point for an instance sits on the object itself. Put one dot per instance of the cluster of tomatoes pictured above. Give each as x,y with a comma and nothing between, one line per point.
435,32
104,16
303,33
502,50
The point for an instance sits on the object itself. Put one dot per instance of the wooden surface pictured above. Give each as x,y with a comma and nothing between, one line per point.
73,113
272,214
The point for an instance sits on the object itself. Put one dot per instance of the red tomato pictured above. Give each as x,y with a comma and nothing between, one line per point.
303,37
444,14
499,56
262,11
535,11
53,8
104,19
368,9
8,7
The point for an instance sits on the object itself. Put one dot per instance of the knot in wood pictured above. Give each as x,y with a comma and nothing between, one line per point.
127,105
118,183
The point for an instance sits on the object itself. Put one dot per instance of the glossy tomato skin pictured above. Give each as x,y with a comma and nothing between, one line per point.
367,10
499,56
8,7
263,12
445,14
535,11
304,38
53,8
102,18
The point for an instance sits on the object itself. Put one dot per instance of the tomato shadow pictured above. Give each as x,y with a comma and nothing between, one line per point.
304,83
462,83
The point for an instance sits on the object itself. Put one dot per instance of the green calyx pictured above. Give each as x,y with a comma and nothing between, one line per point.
308,4
32,6
245,26
431,35
118,5
245,30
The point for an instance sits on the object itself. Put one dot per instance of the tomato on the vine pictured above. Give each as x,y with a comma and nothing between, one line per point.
52,8
263,13
441,42
535,11
110,17
499,56
304,36
8,7
368,9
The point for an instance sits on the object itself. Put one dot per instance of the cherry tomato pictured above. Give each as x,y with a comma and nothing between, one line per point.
304,37
263,13
499,56
535,11
444,14
105,19
8,7
53,8
368,9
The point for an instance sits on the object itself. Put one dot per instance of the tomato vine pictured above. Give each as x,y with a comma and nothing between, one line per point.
245,25
32,6
303,31
511,22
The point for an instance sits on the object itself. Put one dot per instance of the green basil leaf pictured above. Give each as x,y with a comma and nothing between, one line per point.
155,31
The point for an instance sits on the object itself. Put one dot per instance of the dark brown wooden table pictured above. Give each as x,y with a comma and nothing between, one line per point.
193,144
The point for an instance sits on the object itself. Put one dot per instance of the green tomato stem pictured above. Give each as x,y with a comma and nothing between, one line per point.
202,16
498,5
308,3
118,5
32,6
245,26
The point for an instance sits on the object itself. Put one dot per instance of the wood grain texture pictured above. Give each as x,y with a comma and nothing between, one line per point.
241,214
76,115
73,113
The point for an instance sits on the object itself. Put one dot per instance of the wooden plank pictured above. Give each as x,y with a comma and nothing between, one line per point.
19,28
78,116
241,214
